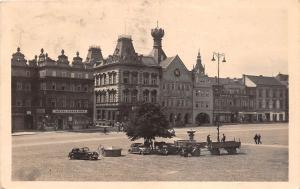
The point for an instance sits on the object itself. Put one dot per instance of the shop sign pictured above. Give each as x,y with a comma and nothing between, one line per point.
69,111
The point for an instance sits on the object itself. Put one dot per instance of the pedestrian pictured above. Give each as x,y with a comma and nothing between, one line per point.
259,139
208,139
223,138
255,138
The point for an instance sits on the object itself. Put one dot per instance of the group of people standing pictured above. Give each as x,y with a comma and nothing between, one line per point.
257,139
208,140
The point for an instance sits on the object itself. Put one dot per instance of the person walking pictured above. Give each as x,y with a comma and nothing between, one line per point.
223,138
208,140
259,139
256,138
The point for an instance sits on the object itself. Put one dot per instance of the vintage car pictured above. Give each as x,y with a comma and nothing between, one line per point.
83,153
139,148
167,149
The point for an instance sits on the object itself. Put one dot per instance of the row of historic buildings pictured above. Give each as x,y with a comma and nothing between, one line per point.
62,94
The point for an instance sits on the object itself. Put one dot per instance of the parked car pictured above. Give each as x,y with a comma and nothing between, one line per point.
83,153
139,148
167,149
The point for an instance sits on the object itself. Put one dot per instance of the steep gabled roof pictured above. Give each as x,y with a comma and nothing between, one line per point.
165,63
149,61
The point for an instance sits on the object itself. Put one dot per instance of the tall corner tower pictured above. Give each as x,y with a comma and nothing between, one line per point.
157,51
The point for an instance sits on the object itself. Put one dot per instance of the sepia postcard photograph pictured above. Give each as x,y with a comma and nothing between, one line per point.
142,93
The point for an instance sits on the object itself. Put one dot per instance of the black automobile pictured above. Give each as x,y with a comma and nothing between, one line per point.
83,153
139,148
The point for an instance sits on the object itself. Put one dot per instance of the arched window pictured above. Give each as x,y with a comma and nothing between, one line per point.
134,96
125,77
126,95
153,79
104,79
146,95
153,96
134,77
98,96
146,78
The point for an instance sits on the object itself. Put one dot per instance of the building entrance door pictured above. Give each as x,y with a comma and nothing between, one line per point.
28,122
60,124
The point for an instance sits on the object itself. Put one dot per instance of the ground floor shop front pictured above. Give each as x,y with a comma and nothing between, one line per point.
51,119
250,117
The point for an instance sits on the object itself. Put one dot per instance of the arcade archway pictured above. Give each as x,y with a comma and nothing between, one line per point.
202,118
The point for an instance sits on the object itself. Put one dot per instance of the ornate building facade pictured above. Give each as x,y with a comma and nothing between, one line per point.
122,81
51,94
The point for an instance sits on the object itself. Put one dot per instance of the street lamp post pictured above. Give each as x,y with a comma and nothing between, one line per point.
219,56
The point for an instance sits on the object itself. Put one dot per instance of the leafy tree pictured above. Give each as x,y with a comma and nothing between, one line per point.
149,122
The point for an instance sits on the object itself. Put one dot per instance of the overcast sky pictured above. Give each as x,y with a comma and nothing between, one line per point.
253,35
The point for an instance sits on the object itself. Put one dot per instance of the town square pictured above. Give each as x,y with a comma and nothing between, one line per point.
44,156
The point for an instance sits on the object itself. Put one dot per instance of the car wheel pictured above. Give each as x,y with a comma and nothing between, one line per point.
71,156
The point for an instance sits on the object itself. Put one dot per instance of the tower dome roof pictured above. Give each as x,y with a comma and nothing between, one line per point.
157,32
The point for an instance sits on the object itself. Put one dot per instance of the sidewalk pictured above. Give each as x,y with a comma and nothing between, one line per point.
23,133
91,130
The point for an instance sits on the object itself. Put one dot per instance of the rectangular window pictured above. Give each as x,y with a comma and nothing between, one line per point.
153,80
43,86
19,103
28,73
72,87
28,87
64,103
53,73
85,88
86,76
42,73
72,104
260,93
63,87
146,79
98,114
19,86
114,78
53,102
78,87
53,86
64,74
109,79
267,93
86,104
126,77
78,104
72,75
187,87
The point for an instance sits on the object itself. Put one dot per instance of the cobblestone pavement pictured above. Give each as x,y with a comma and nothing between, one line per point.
43,156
